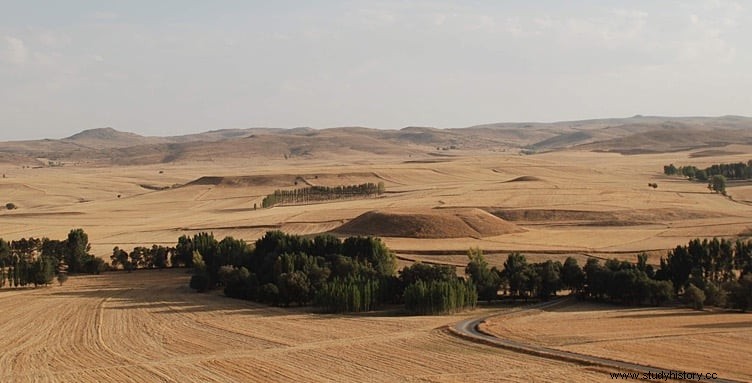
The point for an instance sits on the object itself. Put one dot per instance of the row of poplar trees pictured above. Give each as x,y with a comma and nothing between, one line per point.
322,193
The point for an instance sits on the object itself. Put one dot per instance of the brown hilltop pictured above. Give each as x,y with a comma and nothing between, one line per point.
429,223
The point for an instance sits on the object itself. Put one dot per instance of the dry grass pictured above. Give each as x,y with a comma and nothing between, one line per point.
670,338
146,326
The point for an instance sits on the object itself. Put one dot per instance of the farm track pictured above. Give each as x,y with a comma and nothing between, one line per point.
469,329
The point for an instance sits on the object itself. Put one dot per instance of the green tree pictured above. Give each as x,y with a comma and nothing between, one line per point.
485,280
718,183
695,297
77,250
572,276
120,257
515,273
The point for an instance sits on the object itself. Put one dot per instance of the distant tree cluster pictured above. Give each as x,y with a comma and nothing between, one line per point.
155,257
322,193
36,261
715,175
716,272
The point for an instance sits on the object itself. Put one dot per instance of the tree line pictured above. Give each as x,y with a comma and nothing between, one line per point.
36,261
734,171
321,193
716,272
716,175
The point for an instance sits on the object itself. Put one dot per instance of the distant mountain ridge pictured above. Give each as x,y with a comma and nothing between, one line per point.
638,134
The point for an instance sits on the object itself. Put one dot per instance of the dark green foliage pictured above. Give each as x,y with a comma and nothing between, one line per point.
694,297
740,293
340,296
484,279
94,265
199,282
183,254
321,193
515,274
77,251
269,293
427,273
371,251
549,273
716,173
572,276
294,287
440,297
239,282
718,184
10,206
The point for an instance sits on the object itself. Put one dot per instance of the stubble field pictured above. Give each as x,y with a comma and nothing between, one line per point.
147,326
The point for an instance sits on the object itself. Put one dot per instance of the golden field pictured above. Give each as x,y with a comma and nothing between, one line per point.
148,326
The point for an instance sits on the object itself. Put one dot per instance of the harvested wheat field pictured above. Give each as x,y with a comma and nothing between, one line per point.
148,326
669,338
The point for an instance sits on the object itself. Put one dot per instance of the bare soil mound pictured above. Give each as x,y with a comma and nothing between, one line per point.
445,223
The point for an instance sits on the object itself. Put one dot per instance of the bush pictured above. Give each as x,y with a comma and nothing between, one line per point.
714,295
199,282
10,206
694,297
269,293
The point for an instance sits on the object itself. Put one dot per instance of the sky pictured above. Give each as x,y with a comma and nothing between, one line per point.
174,67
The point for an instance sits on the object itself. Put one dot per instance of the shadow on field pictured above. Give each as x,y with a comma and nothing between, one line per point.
718,326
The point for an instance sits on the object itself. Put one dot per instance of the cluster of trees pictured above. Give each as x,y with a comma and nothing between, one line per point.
321,193
716,175
716,272
36,261
735,171
351,275
281,269
155,257
720,269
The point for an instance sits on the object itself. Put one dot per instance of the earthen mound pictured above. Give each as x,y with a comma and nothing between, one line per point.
444,223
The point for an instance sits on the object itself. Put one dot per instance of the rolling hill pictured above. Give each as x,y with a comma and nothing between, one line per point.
638,134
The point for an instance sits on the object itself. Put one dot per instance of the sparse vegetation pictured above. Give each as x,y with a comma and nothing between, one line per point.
10,206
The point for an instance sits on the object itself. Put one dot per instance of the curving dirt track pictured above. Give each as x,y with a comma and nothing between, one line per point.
470,329
148,327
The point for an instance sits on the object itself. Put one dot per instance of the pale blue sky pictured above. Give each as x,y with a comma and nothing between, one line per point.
177,67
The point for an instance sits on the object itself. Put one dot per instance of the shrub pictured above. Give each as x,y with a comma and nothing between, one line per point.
199,282
694,297
269,293
10,206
